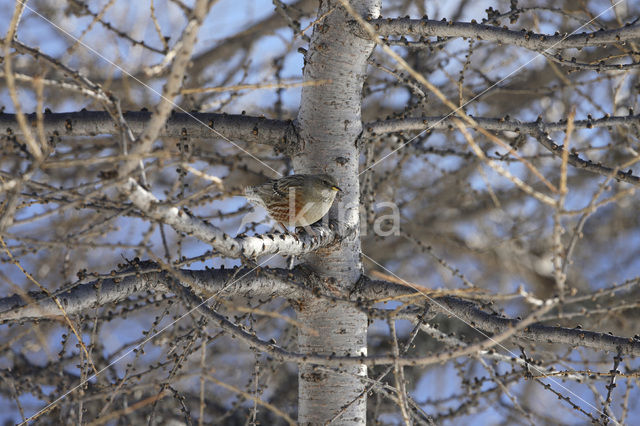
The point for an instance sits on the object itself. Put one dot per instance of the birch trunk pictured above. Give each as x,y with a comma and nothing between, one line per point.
329,123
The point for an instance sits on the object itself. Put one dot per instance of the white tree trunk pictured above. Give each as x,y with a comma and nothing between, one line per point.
329,122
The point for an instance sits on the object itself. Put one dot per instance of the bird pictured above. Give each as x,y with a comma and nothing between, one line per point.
297,200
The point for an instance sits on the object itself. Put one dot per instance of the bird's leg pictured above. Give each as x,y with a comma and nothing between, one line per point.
284,228
307,229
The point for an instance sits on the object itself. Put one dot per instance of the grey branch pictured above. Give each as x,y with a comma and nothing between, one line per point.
170,89
283,135
496,124
573,337
248,246
146,276
283,283
476,318
544,139
278,133
537,129
526,39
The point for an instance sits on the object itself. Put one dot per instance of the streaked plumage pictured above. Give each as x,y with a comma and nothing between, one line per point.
310,195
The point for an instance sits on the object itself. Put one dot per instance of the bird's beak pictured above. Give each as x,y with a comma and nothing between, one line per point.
335,188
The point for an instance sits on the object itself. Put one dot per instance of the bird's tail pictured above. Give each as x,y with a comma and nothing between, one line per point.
251,195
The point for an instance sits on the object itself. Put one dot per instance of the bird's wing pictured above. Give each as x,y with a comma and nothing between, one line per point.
258,193
280,188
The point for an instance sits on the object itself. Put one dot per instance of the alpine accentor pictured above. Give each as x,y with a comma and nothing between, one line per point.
296,200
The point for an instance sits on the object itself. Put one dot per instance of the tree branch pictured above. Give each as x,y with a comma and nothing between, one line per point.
473,30
506,124
536,129
476,318
283,135
246,38
543,138
142,277
279,282
278,133
249,247
170,90
573,337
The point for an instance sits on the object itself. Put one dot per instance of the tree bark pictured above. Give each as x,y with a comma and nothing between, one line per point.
329,124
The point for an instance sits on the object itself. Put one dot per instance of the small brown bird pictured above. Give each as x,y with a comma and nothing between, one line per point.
296,200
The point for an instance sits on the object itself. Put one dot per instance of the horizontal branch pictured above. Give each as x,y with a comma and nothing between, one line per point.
278,133
497,124
143,277
236,247
473,30
573,337
574,160
476,318
149,276
536,128
265,282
